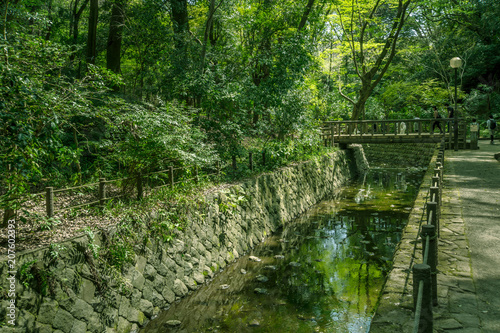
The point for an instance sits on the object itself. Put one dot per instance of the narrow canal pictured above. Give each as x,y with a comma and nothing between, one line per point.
322,273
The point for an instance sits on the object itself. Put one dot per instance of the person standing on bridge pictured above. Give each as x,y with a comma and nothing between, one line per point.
491,124
451,115
436,123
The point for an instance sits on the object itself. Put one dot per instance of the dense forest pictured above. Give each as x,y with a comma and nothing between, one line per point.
103,88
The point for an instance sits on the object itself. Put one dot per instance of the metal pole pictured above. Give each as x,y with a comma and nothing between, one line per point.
455,116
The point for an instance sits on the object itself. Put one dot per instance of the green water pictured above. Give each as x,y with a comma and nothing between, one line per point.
333,267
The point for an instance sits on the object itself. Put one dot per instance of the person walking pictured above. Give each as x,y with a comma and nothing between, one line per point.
451,115
491,124
437,123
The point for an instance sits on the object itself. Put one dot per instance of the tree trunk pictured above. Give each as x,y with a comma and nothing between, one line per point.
75,20
305,16
113,54
92,35
74,24
180,21
49,16
209,28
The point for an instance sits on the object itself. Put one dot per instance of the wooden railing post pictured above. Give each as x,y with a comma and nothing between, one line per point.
49,201
432,260
422,272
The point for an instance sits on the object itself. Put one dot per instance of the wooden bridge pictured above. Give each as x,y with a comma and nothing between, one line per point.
393,131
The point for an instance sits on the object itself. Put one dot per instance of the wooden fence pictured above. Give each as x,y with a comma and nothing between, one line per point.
98,193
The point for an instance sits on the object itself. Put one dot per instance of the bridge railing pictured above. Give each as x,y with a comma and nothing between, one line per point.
334,130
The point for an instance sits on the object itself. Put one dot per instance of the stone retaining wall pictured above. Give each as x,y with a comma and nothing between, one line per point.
399,154
76,298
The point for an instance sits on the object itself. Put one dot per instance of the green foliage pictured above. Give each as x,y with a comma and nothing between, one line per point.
252,71
93,247
47,223
32,276
155,137
55,251
25,274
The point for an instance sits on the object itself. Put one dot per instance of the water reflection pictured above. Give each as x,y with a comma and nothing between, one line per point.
322,273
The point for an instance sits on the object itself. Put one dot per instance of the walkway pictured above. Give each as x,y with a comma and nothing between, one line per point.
473,196
469,252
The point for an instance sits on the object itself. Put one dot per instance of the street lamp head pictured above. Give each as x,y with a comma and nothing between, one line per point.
456,62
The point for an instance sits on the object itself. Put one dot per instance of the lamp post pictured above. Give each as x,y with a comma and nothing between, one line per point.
455,63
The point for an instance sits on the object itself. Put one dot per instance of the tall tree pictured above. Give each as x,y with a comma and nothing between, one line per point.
113,54
369,30
209,27
92,32
76,14
180,20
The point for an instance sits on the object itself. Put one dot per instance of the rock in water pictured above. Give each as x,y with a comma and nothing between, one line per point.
262,278
260,290
254,323
173,323
252,258
279,256
224,286
243,271
270,267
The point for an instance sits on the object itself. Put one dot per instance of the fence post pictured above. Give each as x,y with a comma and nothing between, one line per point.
139,187
432,207
250,160
171,175
332,133
422,272
432,260
434,191
234,163
102,191
49,201
437,181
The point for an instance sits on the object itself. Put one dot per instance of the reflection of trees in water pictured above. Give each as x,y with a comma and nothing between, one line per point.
342,256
